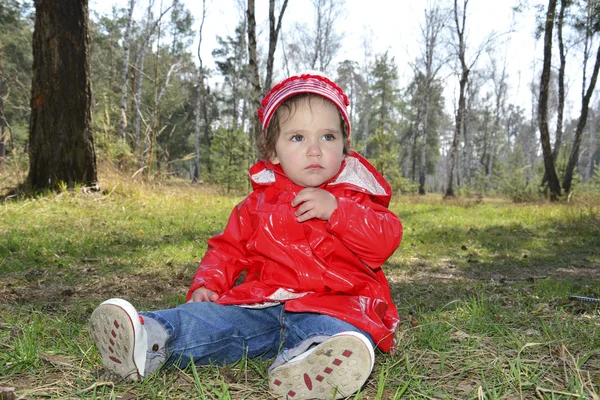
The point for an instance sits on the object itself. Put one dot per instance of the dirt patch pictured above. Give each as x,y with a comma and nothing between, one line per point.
48,289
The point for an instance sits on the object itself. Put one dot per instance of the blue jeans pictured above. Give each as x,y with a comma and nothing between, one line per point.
210,333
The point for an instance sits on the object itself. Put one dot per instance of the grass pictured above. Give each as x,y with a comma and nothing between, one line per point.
482,287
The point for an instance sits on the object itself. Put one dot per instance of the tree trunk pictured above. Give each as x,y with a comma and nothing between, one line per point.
561,86
561,82
550,170
256,90
61,144
2,117
589,171
137,148
273,34
457,132
585,103
464,78
125,68
201,95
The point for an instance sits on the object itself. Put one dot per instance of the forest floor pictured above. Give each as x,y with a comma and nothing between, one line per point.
482,287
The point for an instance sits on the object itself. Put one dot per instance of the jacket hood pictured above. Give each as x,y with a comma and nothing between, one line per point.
356,173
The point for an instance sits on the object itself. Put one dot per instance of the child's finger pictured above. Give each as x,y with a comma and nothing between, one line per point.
304,195
304,207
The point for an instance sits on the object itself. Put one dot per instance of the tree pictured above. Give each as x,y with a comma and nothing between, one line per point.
385,94
549,167
274,28
430,32
464,78
591,27
61,144
2,117
125,69
465,66
16,28
199,101
315,49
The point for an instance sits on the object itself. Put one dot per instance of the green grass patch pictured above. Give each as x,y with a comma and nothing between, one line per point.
482,287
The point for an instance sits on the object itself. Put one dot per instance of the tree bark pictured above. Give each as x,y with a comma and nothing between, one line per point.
550,170
61,144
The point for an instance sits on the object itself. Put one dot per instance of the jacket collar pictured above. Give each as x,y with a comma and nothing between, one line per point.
355,173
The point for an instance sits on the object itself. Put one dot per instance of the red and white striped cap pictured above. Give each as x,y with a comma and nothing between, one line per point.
299,84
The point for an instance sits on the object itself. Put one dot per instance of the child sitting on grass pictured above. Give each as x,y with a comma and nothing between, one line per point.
311,238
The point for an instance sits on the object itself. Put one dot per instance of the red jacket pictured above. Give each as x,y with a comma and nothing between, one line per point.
328,267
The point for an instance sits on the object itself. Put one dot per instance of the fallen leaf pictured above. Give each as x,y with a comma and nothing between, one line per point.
56,360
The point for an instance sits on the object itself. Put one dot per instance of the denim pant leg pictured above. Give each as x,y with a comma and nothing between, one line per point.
301,326
304,330
205,333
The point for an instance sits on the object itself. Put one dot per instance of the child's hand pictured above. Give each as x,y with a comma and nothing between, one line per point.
203,294
314,203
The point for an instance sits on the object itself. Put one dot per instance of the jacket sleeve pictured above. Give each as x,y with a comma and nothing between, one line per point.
225,258
368,229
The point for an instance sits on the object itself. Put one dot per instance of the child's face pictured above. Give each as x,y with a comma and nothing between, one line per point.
310,147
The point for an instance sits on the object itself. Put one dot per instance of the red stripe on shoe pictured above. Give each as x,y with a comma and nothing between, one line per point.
115,359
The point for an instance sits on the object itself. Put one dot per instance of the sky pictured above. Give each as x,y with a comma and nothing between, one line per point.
391,25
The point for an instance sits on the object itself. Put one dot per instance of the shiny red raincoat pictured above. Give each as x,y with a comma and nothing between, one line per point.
328,267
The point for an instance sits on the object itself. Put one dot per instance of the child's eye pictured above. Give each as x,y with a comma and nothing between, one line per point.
329,137
297,138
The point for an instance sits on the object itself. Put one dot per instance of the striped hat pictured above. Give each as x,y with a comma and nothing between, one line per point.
300,84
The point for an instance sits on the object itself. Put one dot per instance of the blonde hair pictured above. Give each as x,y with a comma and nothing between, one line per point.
267,139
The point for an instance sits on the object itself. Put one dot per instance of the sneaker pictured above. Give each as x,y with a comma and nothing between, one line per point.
334,369
120,337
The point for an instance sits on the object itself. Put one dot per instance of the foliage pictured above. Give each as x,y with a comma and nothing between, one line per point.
229,152
16,30
514,179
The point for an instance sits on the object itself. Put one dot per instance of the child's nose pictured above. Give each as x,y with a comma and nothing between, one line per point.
314,150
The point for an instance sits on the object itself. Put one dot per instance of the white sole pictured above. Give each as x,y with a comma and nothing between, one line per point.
113,332
335,368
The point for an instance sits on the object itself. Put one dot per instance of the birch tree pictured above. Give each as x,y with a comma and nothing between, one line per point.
125,70
465,66
316,46
550,170
201,97
253,62
591,29
435,20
